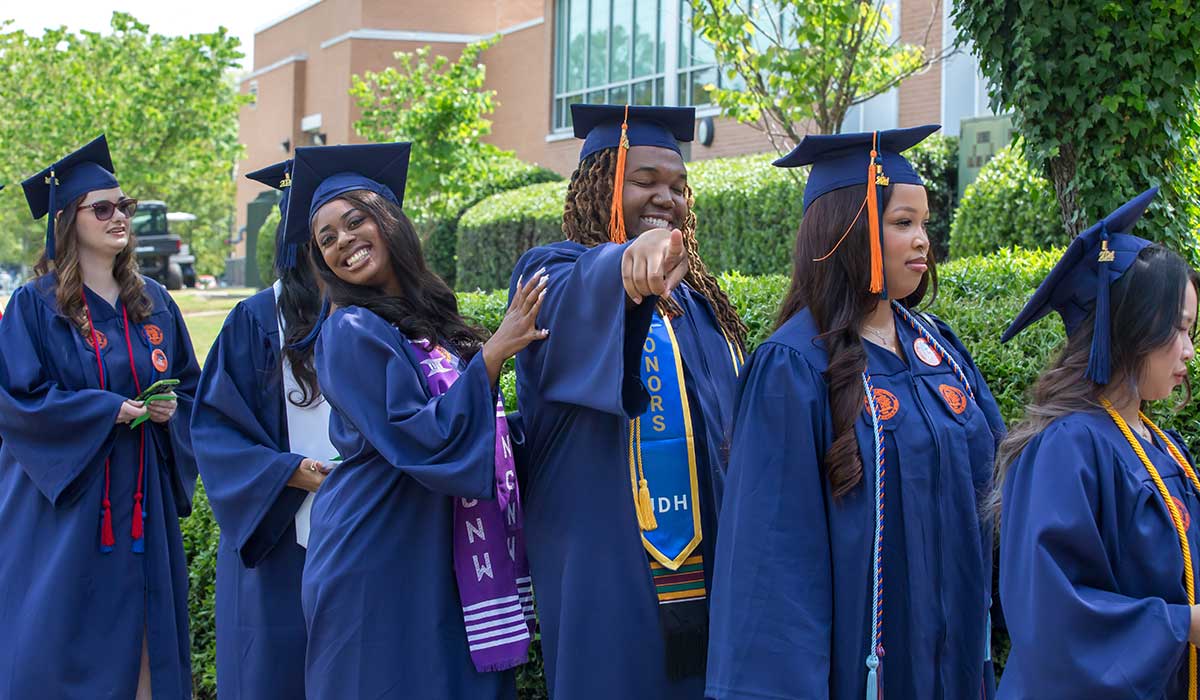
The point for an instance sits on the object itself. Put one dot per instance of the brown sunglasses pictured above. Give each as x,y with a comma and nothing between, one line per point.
105,209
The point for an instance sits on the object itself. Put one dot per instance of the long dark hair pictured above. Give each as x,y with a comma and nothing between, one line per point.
300,307
1145,308
836,293
427,307
69,283
585,220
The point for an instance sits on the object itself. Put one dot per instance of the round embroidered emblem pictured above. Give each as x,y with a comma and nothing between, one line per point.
154,334
925,352
100,338
159,358
886,402
1183,513
955,398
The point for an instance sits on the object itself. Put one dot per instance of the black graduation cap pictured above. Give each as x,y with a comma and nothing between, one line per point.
320,174
88,169
600,126
1080,280
869,158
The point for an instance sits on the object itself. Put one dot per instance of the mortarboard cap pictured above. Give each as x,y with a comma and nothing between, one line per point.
320,174
88,169
868,158
624,126
1080,280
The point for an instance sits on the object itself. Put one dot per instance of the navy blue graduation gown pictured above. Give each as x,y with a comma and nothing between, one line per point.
379,593
1091,574
792,592
241,442
578,389
72,617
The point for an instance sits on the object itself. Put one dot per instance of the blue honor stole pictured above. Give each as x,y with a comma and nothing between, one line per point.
662,462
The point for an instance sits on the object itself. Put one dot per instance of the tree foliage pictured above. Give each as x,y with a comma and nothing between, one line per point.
441,105
1104,94
167,104
796,63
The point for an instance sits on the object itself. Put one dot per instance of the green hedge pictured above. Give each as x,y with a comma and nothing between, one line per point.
747,213
1009,204
978,297
936,160
439,235
264,250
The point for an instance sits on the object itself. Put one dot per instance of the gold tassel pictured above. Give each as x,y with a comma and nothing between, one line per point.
616,216
645,508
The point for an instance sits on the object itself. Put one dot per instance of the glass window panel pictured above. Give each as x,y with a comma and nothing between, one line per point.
577,45
701,78
572,100
646,38
560,42
643,93
595,98
685,81
686,33
703,53
622,39
618,95
659,95
597,64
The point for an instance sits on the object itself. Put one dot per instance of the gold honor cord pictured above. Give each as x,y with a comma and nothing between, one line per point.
1189,581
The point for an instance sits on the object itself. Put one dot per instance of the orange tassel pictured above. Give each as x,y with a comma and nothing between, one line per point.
616,216
873,229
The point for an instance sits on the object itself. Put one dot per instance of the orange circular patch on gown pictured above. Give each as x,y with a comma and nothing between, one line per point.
955,398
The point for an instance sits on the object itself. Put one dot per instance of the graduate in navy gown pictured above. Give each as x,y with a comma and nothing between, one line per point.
855,559
1099,506
627,406
415,585
93,580
261,432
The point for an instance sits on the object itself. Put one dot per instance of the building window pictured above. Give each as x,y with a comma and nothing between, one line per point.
608,52
964,89
252,90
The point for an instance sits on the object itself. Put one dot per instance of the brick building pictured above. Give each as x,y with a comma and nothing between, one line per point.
552,53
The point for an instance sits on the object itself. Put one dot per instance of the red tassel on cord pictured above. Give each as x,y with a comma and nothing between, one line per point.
106,525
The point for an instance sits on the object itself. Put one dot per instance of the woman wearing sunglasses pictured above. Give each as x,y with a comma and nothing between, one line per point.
93,474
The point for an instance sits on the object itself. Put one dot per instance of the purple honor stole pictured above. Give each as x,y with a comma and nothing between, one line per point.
489,544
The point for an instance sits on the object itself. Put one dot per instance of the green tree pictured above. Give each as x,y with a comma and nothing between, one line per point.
168,105
800,63
441,105
1104,94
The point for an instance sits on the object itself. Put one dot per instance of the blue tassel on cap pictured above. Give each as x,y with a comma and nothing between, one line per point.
873,677
312,336
1098,360
51,219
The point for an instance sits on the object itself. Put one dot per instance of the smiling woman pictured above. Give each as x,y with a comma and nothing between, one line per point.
95,575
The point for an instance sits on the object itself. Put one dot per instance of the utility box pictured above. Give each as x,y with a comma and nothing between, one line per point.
979,139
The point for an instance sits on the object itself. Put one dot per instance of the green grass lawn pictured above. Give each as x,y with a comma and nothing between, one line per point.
205,312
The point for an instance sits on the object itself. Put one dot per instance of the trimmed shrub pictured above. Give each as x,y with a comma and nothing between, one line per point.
936,160
264,250
200,539
439,236
1009,204
747,214
493,234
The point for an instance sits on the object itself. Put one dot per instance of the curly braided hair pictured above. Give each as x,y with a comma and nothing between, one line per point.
585,221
